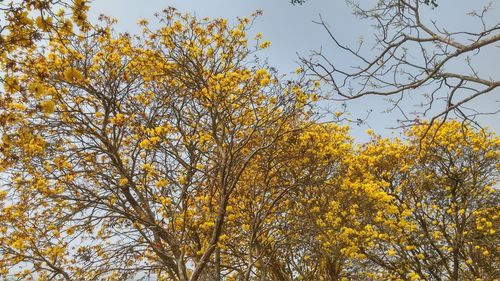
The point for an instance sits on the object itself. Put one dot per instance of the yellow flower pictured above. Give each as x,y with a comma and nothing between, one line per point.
161,183
410,247
11,84
207,225
165,201
71,74
154,140
264,82
18,106
143,22
146,144
43,24
48,106
19,244
261,72
265,45
147,167
118,119
70,231
123,182
182,180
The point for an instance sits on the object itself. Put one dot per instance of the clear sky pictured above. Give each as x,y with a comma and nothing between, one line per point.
292,32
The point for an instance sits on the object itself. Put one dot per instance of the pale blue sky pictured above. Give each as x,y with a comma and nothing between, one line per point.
291,31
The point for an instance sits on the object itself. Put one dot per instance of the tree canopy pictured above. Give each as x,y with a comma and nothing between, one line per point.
175,154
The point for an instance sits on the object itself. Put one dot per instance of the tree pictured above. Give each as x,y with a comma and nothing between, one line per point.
287,244
433,218
26,23
412,53
177,154
122,153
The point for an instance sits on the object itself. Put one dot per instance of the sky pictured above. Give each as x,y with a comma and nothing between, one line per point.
292,32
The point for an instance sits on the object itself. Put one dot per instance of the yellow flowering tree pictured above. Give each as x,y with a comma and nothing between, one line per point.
456,178
123,152
420,208
175,154
272,217
443,182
